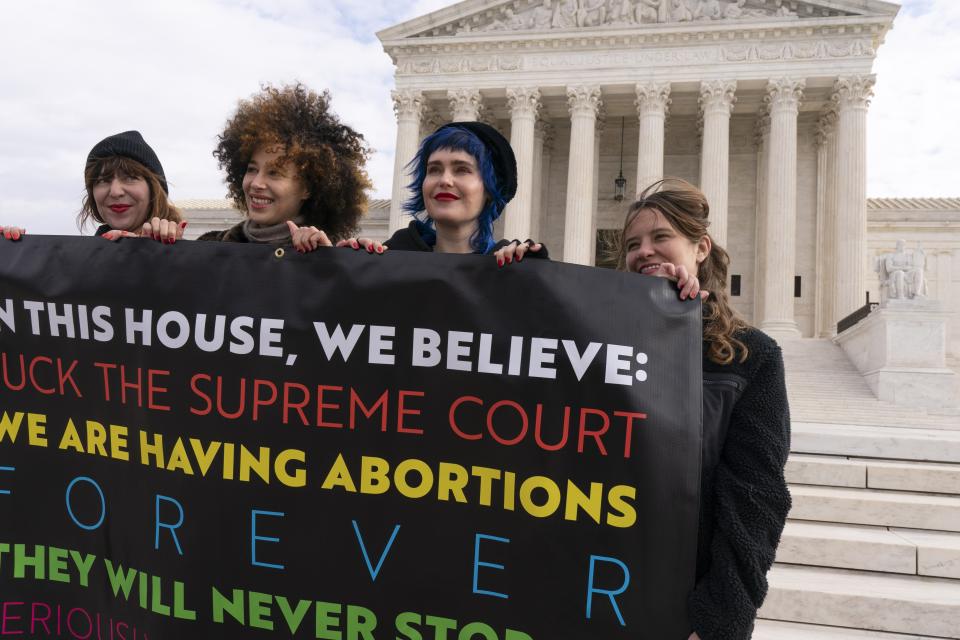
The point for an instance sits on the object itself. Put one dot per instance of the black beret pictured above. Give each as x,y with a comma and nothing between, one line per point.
129,144
504,162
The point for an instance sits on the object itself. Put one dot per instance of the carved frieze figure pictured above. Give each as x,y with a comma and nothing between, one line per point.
901,274
591,13
565,15
680,12
737,10
509,22
785,12
648,11
542,16
621,12
708,10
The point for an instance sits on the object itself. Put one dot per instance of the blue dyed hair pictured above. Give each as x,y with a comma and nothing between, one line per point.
455,139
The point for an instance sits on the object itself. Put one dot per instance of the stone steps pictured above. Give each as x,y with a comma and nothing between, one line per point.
865,473
876,507
872,546
824,386
776,630
864,600
871,441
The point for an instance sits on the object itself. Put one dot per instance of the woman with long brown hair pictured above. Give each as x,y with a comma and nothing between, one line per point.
126,192
746,421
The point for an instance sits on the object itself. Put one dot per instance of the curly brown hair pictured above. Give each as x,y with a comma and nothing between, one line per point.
106,168
328,155
686,209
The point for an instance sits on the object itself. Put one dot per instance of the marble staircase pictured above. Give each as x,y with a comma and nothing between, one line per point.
872,545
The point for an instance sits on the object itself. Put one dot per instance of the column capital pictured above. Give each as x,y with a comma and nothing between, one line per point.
654,96
826,124
761,127
465,104
524,102
430,120
408,103
717,96
783,94
584,100
853,92
545,131
601,119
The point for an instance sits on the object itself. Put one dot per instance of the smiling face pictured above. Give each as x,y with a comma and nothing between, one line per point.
273,193
453,190
122,200
651,240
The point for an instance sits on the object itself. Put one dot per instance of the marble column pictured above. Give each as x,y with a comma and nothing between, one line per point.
430,121
852,95
716,103
536,200
584,103
761,131
408,104
595,199
543,151
466,105
825,248
653,102
779,263
524,105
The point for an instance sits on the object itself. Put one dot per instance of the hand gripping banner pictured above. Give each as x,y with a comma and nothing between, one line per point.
224,441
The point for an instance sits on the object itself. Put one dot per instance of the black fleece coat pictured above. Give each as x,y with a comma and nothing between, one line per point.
409,239
744,497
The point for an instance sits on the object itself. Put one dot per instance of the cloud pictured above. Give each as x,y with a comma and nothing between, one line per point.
914,110
74,73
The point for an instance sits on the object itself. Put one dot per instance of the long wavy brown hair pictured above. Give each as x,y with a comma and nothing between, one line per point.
328,156
686,209
107,168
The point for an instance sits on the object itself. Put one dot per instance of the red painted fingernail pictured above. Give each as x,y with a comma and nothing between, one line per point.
499,262
509,259
379,249
355,245
183,225
369,248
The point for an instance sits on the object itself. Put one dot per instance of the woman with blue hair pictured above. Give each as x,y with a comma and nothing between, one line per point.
464,174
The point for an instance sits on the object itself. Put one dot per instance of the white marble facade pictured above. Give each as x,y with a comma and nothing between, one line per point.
760,102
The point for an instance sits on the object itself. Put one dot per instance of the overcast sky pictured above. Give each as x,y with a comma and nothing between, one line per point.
75,72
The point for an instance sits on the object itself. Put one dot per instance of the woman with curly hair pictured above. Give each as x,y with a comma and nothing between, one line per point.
291,163
126,192
746,421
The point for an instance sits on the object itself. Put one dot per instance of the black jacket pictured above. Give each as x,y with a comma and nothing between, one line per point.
409,239
233,234
744,497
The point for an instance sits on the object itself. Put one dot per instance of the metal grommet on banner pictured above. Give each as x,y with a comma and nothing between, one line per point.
279,252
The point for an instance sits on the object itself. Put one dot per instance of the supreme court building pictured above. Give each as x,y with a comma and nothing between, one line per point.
762,103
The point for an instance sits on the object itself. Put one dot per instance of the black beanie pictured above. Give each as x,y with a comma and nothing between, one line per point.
504,162
129,144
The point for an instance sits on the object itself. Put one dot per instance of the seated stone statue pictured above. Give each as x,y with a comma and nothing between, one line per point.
901,274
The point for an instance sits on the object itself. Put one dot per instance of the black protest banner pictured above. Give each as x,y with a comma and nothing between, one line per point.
222,441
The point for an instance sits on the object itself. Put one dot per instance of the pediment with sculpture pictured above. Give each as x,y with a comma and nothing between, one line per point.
566,15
